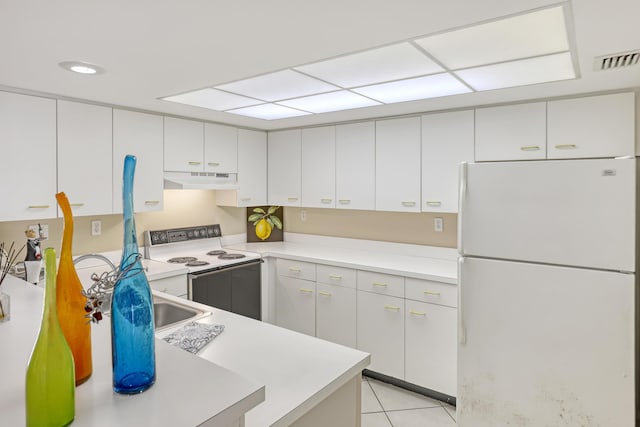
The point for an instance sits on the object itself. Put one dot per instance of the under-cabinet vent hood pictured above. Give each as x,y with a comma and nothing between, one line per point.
200,181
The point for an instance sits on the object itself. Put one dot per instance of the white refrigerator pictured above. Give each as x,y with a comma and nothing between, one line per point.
546,320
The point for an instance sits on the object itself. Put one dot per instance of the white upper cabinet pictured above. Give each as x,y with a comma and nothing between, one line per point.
398,165
356,166
139,134
85,160
183,145
318,167
447,140
512,132
220,148
284,162
28,159
596,126
252,172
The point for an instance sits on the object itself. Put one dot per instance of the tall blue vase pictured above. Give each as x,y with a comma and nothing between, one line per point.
132,325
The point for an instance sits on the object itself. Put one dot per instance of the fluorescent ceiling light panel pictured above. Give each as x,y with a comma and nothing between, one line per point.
334,101
213,99
532,34
542,69
411,89
268,112
394,62
278,86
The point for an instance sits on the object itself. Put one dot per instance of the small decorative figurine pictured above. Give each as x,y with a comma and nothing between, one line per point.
33,261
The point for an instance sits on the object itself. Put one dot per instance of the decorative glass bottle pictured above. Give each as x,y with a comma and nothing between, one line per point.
50,383
71,302
132,325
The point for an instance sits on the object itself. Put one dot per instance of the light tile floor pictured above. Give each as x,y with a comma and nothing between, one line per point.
385,405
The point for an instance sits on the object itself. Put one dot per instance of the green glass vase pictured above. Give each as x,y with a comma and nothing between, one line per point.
50,383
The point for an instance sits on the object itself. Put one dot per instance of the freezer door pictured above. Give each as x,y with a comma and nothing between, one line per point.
544,345
564,212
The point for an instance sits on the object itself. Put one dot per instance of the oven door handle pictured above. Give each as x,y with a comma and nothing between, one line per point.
232,267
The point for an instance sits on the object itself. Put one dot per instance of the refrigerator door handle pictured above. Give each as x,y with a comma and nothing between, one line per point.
462,330
462,196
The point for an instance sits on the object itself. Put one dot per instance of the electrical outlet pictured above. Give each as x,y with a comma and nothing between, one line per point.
438,224
96,227
303,215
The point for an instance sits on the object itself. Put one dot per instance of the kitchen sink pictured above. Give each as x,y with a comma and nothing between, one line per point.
169,313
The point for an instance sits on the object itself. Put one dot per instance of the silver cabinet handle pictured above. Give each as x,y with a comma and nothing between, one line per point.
434,293
566,146
417,313
194,163
77,205
213,164
335,277
409,204
38,206
324,294
434,203
292,199
382,285
245,199
392,307
344,201
326,200
152,202
295,269
530,148
306,291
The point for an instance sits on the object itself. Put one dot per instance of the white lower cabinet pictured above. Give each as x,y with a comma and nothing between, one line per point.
431,346
380,331
296,305
336,314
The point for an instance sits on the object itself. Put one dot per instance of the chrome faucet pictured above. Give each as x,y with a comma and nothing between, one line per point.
96,256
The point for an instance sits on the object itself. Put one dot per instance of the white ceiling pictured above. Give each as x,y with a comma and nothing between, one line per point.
151,49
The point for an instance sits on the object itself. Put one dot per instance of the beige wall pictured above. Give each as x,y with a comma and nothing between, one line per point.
181,208
397,227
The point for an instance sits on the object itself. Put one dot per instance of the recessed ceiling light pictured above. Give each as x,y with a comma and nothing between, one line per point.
411,89
81,67
542,69
380,65
278,86
268,112
537,33
213,99
333,101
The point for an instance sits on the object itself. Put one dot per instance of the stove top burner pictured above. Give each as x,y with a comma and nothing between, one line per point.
231,256
182,259
196,263
217,252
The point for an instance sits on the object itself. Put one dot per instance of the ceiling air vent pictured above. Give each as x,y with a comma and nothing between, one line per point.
618,60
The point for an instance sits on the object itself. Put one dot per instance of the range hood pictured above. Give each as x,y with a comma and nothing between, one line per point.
200,181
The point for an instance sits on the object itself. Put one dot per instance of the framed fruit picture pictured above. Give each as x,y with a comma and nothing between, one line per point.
265,224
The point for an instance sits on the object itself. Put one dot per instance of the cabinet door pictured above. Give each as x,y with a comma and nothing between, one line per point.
512,132
596,126
380,331
296,305
85,159
336,314
28,159
139,134
431,346
318,182
183,145
220,148
356,166
284,168
447,140
252,168
398,165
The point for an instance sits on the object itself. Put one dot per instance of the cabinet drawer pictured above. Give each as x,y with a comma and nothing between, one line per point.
336,275
298,269
379,283
430,291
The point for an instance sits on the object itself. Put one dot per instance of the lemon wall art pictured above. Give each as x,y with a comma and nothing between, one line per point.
265,224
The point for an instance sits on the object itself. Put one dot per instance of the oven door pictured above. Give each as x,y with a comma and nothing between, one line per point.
236,288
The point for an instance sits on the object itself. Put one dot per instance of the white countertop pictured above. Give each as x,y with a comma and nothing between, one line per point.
189,391
374,256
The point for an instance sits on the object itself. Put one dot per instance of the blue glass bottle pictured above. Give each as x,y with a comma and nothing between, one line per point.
132,325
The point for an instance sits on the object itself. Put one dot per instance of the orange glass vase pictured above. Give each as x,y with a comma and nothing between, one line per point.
71,302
